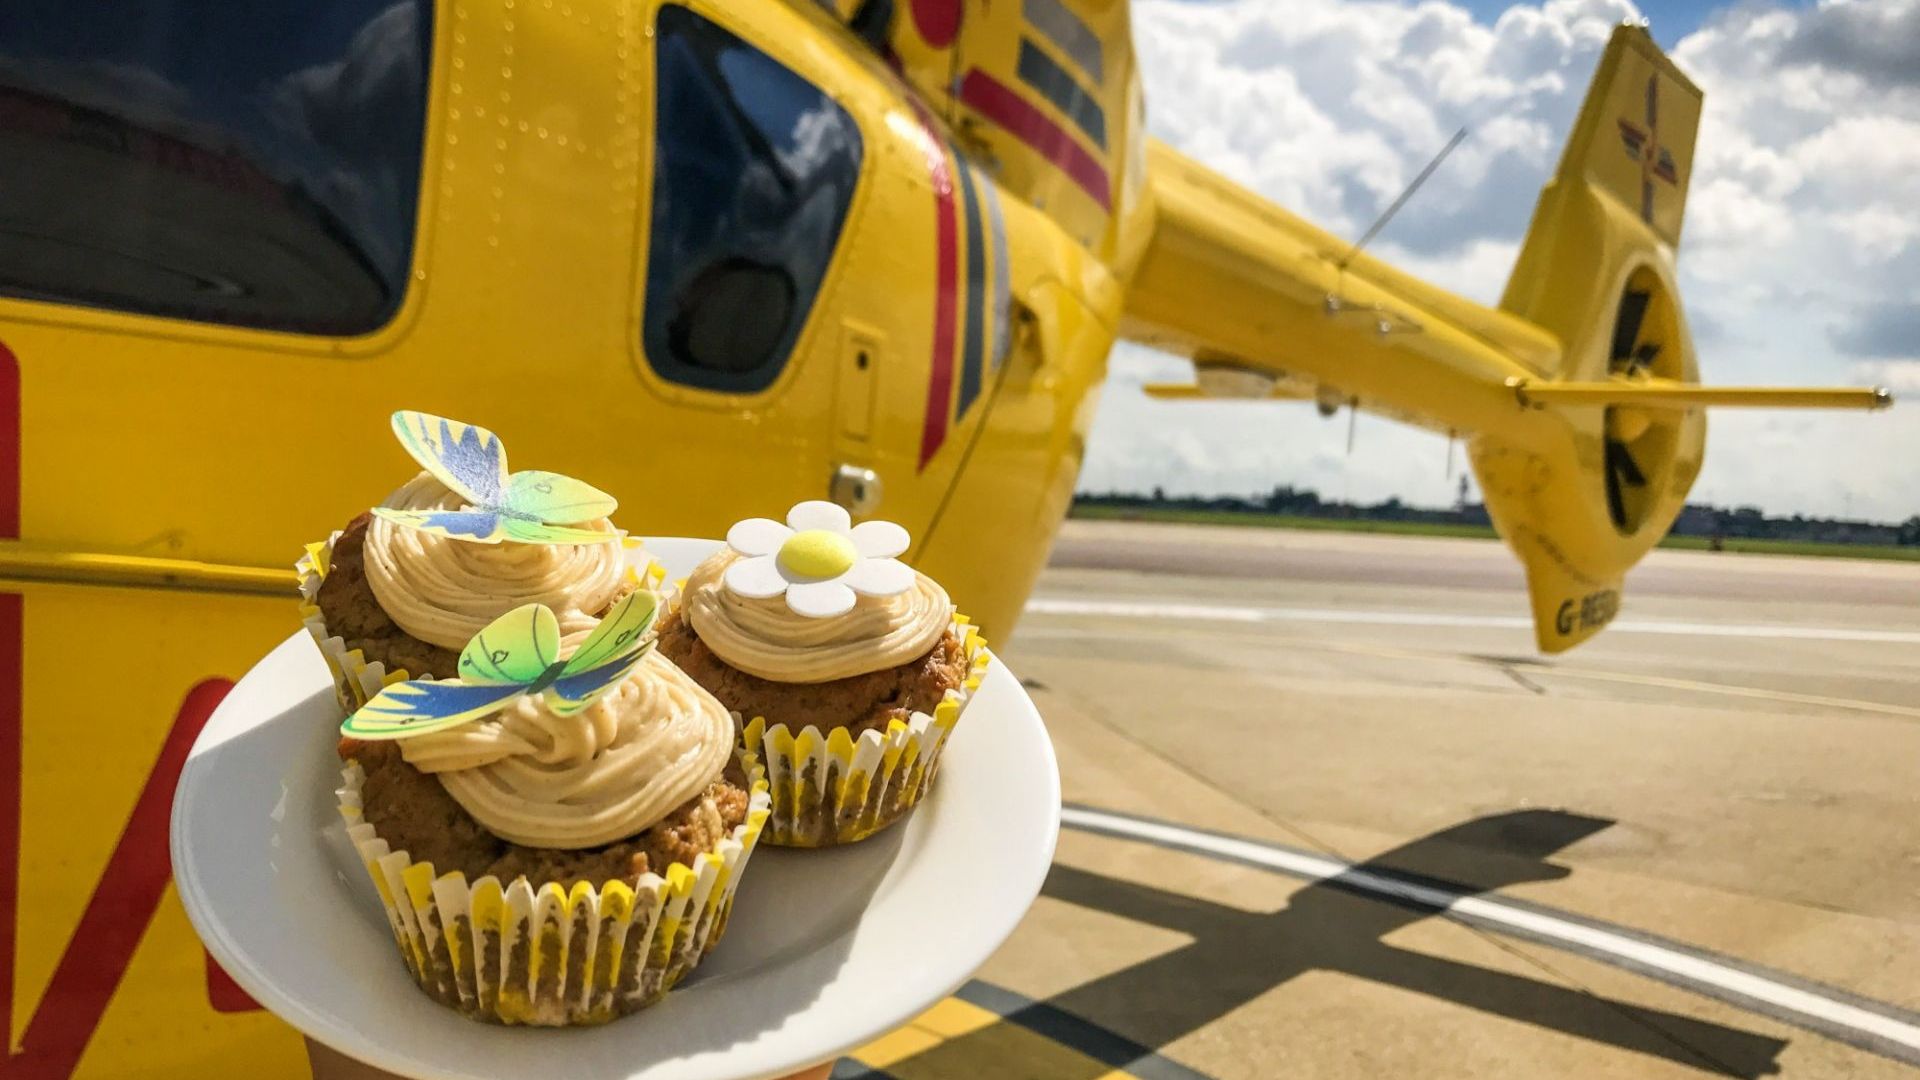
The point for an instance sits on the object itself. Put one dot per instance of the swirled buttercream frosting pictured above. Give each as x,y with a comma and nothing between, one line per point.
603,774
444,591
765,637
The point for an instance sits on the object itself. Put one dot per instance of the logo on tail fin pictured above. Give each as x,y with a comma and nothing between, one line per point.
1643,146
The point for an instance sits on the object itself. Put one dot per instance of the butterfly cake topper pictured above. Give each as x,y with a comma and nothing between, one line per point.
529,507
517,655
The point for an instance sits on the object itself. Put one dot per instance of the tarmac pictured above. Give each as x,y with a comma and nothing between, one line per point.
1330,814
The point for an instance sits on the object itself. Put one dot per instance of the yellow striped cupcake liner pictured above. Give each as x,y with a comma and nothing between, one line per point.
834,788
355,678
546,955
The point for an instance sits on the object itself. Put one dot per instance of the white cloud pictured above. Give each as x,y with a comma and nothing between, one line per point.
1900,376
1878,233
1241,447
1800,263
325,108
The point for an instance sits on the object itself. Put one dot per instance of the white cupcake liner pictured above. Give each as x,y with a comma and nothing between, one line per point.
832,788
546,955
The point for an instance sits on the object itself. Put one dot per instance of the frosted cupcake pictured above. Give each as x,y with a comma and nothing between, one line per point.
846,668
556,841
400,590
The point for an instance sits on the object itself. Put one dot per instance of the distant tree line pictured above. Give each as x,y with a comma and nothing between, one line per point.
1697,519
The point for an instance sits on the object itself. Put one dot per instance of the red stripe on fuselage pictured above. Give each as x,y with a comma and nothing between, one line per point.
123,903
1004,106
933,431
135,877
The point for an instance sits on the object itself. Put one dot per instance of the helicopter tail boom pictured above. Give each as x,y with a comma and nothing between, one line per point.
1579,396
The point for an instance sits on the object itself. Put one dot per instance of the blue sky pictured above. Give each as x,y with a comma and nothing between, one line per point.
1800,262
1669,21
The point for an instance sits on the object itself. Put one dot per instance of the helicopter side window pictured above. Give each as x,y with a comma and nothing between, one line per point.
754,168
251,164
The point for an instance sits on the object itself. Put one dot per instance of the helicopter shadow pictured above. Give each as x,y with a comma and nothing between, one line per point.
1119,1020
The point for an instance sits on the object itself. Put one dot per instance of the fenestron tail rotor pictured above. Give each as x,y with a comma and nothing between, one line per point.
1638,445
1626,328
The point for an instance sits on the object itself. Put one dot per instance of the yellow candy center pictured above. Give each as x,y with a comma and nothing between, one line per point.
817,553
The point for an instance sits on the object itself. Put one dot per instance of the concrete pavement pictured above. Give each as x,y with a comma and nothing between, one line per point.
1690,846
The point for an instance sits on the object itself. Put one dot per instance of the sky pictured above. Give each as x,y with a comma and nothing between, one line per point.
1799,263
1670,21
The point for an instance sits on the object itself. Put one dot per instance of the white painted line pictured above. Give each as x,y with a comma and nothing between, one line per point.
1116,610
1045,605
1808,1006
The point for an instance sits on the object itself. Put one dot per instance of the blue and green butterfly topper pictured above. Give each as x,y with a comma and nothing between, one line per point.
518,654
525,507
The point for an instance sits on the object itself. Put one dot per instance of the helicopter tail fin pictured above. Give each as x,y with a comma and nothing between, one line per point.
1634,138
1631,148
1596,270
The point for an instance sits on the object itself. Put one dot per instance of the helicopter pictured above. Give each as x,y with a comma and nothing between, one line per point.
715,257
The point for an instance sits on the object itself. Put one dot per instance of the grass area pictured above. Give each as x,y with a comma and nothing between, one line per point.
1422,528
1799,547
1277,521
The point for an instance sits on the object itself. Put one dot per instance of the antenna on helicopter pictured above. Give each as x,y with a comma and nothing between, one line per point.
1380,222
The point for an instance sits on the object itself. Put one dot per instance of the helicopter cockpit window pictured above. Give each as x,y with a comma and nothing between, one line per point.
251,164
753,170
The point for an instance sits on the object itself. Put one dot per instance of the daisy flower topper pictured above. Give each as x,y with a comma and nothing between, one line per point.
818,560
526,507
516,655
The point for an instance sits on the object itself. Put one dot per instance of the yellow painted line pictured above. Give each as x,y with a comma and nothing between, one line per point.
953,1018
958,1040
897,1045
20,561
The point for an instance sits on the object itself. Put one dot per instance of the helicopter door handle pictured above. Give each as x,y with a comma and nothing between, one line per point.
856,488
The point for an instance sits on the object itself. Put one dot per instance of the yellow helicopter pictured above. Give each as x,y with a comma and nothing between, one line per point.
714,257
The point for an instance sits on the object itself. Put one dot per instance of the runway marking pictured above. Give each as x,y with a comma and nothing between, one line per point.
983,1028
1664,682
1870,1025
1543,669
1754,692
1044,605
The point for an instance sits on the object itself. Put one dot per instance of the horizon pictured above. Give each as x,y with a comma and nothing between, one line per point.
1471,502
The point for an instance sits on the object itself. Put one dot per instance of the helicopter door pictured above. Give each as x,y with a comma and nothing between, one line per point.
754,169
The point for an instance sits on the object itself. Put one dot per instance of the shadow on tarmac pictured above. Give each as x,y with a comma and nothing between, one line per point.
1332,925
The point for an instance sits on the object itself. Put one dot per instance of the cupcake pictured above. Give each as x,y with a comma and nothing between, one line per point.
555,833
845,668
398,592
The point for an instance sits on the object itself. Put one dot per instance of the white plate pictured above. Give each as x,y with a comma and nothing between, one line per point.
825,949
